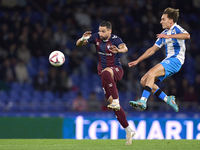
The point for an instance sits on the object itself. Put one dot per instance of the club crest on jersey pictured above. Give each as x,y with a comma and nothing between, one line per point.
97,43
108,46
173,31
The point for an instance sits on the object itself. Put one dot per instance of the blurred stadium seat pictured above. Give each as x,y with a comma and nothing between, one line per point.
3,96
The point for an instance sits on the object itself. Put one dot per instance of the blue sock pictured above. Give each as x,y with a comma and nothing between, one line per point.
146,92
160,94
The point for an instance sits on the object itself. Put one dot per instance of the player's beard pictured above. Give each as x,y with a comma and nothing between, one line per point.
103,38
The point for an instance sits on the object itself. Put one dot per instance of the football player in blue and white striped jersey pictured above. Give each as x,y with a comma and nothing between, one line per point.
173,38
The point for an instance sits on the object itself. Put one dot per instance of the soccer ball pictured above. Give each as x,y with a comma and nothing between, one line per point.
56,58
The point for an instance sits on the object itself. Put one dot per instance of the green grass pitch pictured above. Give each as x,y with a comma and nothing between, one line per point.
69,144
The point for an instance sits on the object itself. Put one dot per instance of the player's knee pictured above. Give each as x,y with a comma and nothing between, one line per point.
110,99
105,74
150,74
143,81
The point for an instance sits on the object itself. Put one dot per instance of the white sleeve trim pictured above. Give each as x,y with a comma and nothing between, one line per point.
158,45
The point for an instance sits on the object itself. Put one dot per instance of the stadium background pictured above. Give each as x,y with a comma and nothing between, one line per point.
37,97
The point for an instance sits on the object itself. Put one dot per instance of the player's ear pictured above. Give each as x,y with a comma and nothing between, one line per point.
171,20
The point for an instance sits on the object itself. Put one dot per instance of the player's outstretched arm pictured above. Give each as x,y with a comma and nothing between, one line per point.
122,49
83,40
183,36
149,52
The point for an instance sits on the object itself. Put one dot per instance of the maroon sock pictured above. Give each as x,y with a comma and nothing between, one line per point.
110,84
106,92
121,117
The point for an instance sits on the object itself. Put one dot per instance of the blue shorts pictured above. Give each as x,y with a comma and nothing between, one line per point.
172,65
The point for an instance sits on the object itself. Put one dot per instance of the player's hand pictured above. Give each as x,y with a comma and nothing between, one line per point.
87,33
162,36
133,63
114,49
86,36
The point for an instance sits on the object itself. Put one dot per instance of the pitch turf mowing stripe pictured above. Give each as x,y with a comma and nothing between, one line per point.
68,144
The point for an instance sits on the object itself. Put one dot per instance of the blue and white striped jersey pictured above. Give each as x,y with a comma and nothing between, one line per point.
173,47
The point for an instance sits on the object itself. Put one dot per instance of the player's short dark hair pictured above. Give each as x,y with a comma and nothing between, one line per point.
172,13
106,24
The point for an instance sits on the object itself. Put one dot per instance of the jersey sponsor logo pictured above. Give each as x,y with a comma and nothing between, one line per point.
168,42
97,43
107,54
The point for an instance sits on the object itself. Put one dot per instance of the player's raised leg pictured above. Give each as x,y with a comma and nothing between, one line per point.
170,69
111,93
148,81
170,100
110,87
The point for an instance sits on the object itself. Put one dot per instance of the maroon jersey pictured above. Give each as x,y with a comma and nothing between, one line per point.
106,57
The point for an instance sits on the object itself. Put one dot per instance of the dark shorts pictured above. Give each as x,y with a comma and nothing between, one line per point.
118,73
